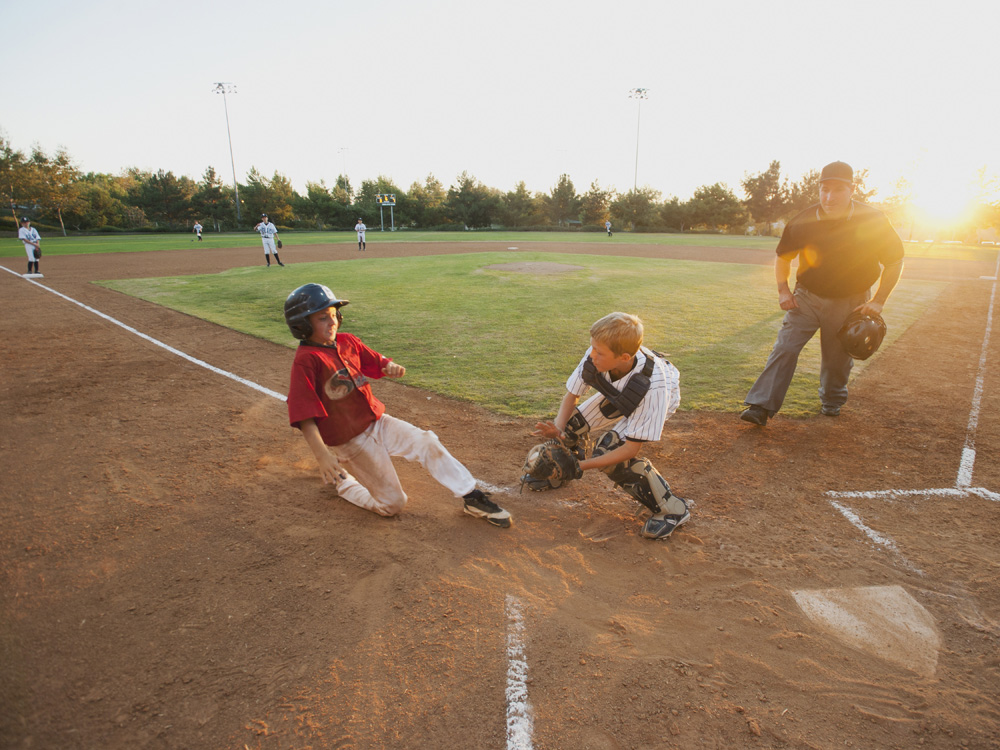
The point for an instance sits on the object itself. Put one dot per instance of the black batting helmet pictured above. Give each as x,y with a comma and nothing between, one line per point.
303,302
861,335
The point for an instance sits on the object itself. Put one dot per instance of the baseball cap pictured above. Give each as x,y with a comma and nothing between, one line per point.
263,216
837,170
24,219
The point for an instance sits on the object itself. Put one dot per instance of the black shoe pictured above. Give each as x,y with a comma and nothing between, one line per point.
830,410
281,264
478,504
661,525
755,415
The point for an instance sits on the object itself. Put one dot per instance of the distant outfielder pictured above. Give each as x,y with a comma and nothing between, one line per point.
360,229
607,226
32,244
197,229
267,234
637,391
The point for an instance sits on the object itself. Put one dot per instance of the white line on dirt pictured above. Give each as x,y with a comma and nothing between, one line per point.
519,720
963,482
140,334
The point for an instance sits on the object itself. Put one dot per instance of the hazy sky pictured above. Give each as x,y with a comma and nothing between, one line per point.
512,90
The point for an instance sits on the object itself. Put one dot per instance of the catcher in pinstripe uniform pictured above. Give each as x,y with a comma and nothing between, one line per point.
636,392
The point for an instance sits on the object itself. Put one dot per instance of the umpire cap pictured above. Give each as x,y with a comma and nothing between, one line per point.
303,302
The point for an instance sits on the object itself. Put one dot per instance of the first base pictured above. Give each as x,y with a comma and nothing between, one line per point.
33,276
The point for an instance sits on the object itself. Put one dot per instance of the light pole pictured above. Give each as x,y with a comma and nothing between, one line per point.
638,95
230,88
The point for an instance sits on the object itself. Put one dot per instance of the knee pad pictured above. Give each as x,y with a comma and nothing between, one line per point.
577,437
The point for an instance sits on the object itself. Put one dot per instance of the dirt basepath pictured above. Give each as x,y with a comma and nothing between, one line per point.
175,576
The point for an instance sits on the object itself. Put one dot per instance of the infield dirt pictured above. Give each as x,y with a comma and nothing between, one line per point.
175,575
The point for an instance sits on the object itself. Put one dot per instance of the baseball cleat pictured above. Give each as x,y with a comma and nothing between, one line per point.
755,415
662,525
830,410
478,504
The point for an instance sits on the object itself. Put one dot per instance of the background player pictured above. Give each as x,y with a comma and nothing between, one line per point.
607,226
197,229
360,229
637,391
32,244
330,400
267,234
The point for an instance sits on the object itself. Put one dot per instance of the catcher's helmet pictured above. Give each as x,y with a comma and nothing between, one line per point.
303,302
862,335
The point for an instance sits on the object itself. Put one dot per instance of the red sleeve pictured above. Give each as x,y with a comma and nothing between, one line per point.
371,362
303,400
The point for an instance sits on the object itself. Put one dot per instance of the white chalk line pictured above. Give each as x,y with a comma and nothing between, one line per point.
519,718
520,724
157,342
963,482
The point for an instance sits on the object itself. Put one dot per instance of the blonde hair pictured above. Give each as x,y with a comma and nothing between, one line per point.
620,332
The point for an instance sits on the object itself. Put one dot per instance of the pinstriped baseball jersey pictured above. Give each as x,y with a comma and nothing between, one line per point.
267,230
646,422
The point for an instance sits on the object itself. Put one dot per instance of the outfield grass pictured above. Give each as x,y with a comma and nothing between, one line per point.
508,340
55,245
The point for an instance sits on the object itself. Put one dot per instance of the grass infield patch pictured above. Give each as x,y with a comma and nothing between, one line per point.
508,340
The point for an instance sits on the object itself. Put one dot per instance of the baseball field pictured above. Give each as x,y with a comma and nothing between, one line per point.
175,575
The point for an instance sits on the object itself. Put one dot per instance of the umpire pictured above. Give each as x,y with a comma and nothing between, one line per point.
843,248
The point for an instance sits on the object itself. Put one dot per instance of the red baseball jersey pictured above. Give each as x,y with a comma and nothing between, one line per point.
331,385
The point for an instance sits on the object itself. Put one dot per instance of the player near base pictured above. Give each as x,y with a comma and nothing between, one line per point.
268,233
330,400
32,243
636,392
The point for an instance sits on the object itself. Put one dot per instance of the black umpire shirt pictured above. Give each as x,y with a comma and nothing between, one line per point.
840,257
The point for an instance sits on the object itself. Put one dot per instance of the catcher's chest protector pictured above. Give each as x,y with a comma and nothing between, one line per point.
619,403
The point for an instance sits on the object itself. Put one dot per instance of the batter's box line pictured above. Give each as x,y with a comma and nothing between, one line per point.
935,492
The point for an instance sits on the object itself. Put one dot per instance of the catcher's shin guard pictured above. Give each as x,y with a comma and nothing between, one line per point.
640,479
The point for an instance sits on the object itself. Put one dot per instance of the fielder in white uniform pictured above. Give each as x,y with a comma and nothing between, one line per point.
197,229
637,391
607,225
267,234
360,229
32,244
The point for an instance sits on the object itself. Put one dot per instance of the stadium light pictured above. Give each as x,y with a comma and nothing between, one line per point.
230,88
638,95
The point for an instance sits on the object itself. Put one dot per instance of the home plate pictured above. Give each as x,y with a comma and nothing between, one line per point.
883,620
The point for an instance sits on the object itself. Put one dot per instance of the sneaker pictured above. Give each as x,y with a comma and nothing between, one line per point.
478,504
662,525
830,410
755,415
281,264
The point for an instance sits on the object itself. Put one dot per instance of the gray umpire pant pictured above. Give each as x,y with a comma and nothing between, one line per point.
814,313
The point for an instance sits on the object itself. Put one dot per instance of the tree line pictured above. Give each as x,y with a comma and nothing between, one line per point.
52,190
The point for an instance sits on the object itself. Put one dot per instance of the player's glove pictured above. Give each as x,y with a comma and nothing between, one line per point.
279,244
38,253
549,465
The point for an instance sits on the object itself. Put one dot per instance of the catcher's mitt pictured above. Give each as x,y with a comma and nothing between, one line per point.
549,465
279,244
38,253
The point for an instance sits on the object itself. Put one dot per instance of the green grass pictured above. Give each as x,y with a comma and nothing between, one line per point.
509,340
54,245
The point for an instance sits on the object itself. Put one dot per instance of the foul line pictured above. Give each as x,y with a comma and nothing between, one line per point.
963,481
519,721
140,334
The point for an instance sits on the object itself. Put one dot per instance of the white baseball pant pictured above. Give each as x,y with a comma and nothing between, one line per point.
372,482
